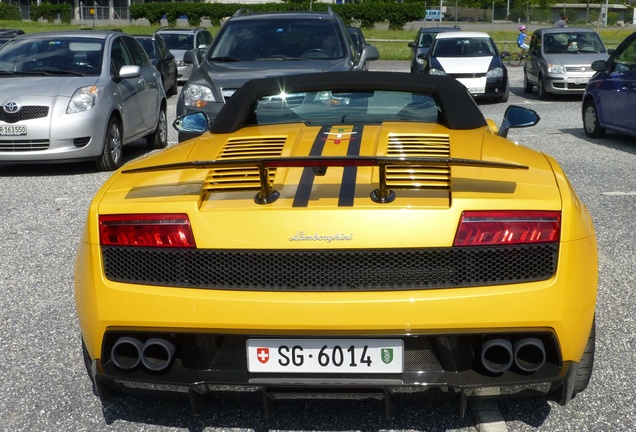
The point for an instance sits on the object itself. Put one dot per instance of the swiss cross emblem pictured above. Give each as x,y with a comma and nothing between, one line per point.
262,354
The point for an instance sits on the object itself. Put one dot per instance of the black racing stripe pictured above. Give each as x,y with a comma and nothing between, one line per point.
307,178
348,186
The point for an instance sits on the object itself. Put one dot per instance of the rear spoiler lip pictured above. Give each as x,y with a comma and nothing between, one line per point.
319,164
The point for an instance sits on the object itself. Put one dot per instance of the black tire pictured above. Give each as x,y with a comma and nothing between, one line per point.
584,372
514,59
159,138
543,94
590,120
174,89
506,95
112,152
527,85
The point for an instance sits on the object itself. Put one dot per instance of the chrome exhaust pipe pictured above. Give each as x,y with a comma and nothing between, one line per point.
157,354
529,354
126,353
496,355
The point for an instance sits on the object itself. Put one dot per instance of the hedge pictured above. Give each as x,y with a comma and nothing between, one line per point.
366,13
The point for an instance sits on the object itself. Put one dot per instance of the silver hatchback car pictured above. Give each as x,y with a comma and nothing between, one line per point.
560,60
78,95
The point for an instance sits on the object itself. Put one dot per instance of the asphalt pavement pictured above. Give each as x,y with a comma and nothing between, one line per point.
44,386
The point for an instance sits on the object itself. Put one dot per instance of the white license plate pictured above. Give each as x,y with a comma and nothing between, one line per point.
476,90
579,81
13,130
325,356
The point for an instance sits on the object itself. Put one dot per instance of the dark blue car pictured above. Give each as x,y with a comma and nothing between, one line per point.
609,101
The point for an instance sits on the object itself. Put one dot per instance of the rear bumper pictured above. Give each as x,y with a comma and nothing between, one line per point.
205,363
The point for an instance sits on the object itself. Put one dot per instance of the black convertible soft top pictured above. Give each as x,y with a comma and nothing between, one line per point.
459,110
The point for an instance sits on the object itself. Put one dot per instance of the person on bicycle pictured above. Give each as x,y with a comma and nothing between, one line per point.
522,38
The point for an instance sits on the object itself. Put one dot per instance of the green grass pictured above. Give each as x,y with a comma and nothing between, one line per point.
392,44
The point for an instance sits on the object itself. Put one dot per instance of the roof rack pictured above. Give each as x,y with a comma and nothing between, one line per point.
241,11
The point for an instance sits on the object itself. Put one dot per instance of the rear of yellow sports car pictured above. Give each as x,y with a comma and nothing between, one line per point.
344,275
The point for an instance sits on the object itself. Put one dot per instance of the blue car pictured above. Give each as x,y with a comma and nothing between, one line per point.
609,100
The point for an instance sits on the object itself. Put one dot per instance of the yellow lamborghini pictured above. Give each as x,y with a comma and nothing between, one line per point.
355,232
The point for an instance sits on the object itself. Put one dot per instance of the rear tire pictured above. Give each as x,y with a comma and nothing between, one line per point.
159,138
175,87
527,85
584,372
514,59
590,120
112,152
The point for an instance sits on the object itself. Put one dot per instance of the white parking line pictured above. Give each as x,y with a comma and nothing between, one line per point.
486,411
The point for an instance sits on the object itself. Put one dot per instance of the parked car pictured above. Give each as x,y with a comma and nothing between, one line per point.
352,230
609,101
78,95
422,43
254,45
162,59
473,59
559,60
180,40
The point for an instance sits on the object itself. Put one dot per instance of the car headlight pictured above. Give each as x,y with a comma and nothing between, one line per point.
83,99
556,68
495,73
434,71
197,96
420,60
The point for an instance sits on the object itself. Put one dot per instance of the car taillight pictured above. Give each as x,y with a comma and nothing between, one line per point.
154,230
484,228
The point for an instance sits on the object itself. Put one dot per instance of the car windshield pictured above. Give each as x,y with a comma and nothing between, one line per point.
464,47
282,39
178,41
328,108
572,42
53,56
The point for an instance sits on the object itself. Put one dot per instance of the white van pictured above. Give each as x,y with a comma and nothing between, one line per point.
434,15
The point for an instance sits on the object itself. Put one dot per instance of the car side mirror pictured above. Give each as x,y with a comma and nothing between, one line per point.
191,56
197,123
517,117
505,54
599,65
129,71
412,45
370,52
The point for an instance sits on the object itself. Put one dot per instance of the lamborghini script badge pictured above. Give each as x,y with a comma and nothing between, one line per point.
303,236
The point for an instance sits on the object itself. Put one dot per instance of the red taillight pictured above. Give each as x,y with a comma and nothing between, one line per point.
155,230
483,228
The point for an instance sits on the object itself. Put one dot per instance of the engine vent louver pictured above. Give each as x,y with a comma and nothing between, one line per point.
227,179
416,145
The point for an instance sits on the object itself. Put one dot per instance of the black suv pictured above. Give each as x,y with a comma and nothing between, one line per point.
422,43
256,45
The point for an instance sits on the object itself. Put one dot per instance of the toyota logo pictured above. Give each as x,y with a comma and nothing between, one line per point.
11,107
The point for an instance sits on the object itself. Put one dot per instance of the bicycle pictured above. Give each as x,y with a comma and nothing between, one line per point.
515,59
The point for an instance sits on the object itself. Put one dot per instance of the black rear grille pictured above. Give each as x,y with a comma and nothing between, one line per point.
331,270
25,113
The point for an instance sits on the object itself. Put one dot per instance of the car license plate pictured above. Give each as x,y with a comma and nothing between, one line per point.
579,81
476,90
13,130
325,356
